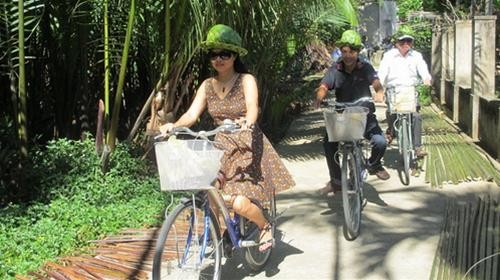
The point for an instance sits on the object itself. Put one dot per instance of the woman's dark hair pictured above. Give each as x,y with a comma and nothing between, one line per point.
239,66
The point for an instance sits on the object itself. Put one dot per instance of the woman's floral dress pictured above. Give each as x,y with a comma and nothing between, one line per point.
250,164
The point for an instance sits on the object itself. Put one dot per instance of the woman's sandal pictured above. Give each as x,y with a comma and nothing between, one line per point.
266,240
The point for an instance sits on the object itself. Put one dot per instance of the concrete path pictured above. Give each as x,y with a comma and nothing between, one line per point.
400,224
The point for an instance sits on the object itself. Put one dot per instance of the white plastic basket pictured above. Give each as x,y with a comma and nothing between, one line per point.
346,125
187,164
402,100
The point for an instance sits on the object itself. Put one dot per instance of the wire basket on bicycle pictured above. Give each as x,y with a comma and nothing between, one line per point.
402,99
187,164
346,124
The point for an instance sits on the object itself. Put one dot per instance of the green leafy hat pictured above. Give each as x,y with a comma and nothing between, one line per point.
221,36
350,38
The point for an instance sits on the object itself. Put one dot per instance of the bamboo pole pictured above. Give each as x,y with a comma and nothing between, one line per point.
461,238
477,248
490,232
496,241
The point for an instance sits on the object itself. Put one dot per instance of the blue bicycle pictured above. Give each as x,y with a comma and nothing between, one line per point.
192,241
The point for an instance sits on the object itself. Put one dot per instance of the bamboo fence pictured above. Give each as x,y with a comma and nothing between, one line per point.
469,245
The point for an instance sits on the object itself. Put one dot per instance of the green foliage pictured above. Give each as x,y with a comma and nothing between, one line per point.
76,203
407,6
424,95
9,160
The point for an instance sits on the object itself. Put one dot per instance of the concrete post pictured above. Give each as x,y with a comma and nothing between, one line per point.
437,61
498,136
463,61
445,57
483,69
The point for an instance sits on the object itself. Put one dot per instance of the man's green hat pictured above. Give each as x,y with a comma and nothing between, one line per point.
350,38
404,33
221,36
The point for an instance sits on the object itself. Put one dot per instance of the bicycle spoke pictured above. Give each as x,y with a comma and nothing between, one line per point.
183,250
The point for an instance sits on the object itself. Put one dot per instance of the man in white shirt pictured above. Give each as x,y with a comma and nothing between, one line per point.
403,66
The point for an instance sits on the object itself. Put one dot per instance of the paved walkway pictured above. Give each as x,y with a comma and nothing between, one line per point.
399,234
400,224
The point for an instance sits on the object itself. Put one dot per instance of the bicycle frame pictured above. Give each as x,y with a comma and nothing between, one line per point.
398,123
355,146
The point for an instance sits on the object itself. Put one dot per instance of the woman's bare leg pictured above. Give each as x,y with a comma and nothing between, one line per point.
244,207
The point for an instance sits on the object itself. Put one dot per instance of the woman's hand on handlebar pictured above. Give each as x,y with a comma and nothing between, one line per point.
166,128
243,123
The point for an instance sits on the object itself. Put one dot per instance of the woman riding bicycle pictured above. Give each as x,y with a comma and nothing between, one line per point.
250,166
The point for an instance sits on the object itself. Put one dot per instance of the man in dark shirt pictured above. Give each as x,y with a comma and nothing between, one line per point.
351,79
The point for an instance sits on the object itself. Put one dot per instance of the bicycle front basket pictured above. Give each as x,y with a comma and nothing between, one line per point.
346,125
187,164
403,100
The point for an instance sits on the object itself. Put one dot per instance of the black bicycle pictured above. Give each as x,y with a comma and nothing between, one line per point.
346,123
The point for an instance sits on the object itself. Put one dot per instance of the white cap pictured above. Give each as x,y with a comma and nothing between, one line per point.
406,37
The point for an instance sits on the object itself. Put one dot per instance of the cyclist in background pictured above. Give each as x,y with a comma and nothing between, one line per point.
404,66
251,167
351,79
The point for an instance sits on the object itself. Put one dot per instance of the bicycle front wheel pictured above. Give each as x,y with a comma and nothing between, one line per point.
255,259
351,195
188,245
405,150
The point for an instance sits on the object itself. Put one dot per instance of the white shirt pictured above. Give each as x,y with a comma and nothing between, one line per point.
398,70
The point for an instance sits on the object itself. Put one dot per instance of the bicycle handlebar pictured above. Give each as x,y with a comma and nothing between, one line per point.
226,126
350,104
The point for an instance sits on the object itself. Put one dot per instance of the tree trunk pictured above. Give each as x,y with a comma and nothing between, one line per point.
121,80
22,112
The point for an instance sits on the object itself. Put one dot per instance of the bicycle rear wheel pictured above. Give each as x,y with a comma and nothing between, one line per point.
188,245
351,195
255,259
405,150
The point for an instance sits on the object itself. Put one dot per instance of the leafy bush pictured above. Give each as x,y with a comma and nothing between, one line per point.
76,203
424,96
407,6
9,162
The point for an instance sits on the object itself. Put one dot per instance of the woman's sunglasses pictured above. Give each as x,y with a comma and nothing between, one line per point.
224,55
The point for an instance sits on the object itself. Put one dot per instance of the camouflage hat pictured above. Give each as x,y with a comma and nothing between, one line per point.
350,38
221,36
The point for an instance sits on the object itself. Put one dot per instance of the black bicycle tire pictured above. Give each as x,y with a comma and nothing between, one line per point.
352,223
250,259
163,234
360,159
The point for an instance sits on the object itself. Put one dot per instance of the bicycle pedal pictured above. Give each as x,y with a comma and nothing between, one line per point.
248,243
228,250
